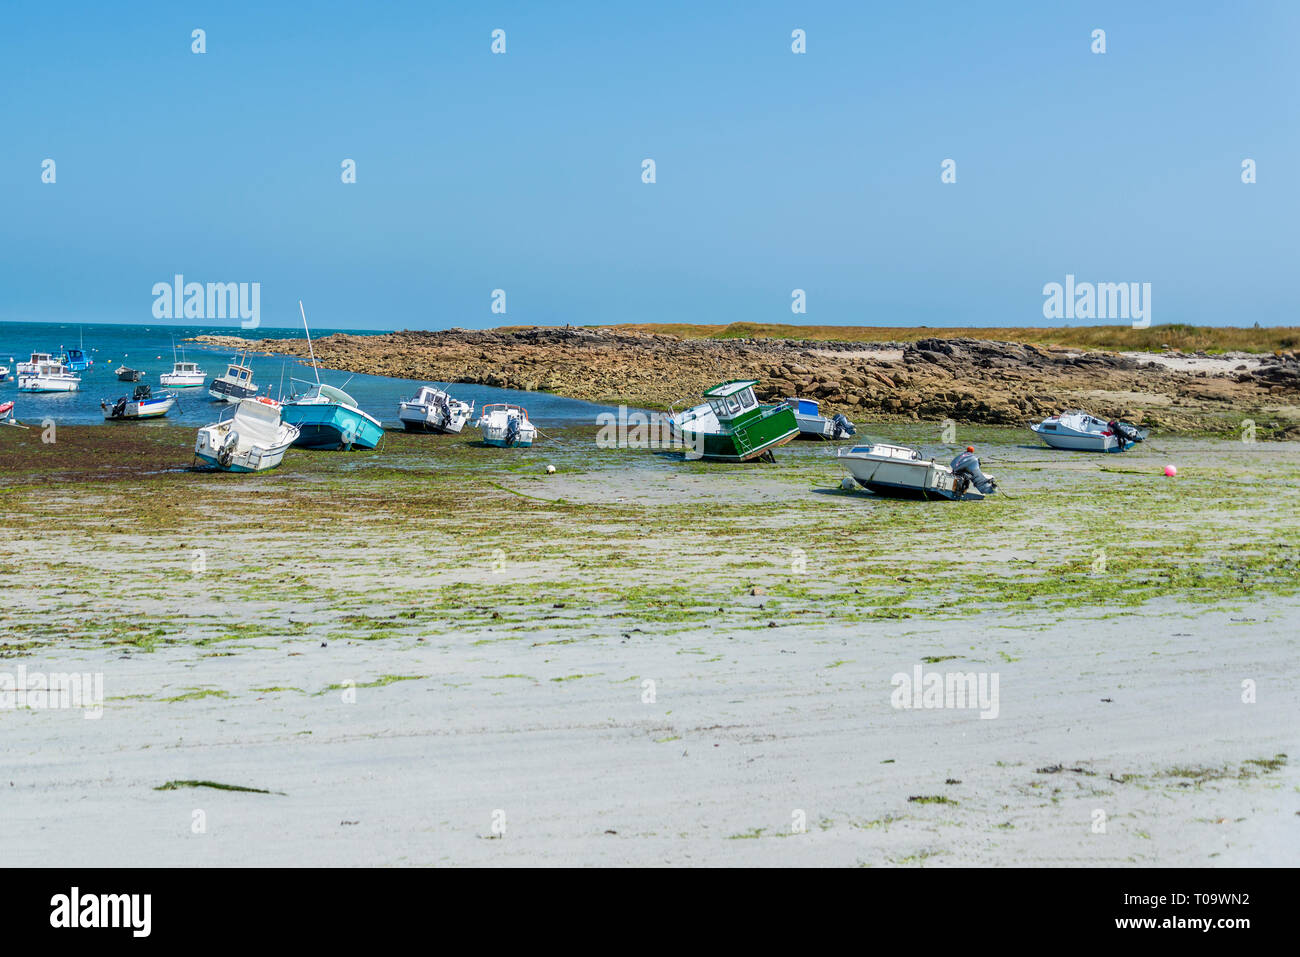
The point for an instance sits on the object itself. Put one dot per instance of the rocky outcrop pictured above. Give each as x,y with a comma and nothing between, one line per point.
967,380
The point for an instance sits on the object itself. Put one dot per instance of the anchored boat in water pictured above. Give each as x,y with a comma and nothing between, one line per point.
1084,432
732,426
897,470
506,426
142,404
236,384
37,360
128,375
184,375
76,360
49,377
433,410
254,439
814,425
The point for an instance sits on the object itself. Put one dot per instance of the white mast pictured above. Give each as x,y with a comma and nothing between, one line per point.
310,348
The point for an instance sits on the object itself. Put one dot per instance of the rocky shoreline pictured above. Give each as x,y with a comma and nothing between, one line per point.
966,380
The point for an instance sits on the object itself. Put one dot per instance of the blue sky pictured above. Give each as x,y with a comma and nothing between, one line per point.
775,171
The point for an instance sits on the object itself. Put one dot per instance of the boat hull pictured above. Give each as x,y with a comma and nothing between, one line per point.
225,391
269,459
896,476
134,411
1085,442
42,384
327,426
752,440
181,381
418,419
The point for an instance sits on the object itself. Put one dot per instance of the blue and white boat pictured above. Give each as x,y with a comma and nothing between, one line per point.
328,418
76,360
142,404
814,425
506,426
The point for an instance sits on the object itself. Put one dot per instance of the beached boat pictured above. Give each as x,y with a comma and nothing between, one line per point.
814,425
506,426
732,426
236,384
142,404
128,375
6,411
254,439
328,418
49,377
899,471
1084,432
37,360
433,410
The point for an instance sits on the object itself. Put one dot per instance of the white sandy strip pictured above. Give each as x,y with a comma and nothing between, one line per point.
730,747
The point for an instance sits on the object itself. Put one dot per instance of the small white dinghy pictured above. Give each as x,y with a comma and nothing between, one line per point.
898,471
433,410
252,440
506,426
814,425
1084,432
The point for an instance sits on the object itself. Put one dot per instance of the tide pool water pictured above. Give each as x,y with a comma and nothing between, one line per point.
149,349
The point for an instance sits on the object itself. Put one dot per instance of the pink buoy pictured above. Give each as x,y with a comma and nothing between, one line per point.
1171,470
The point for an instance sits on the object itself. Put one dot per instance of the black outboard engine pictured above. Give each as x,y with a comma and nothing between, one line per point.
512,430
842,427
967,466
1125,432
119,408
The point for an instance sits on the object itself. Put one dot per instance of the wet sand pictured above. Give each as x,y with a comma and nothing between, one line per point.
410,647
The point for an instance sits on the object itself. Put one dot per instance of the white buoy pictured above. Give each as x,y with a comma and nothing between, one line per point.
847,484
550,470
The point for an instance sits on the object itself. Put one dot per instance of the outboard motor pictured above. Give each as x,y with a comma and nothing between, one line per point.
119,409
842,427
512,430
1125,432
967,465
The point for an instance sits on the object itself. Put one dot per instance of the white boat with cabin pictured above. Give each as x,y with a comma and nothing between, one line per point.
1084,432
254,439
236,384
49,377
434,410
506,426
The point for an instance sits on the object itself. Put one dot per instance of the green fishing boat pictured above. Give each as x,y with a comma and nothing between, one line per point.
732,426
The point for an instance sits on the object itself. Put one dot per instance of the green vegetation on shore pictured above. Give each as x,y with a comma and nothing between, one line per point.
1110,338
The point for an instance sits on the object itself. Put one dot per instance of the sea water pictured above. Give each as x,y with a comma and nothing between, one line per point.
149,349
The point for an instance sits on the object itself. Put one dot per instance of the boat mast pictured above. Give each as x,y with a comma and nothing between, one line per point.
310,348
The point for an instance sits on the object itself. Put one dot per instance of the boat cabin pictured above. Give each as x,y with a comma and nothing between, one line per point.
39,357
732,400
804,406
241,374
180,367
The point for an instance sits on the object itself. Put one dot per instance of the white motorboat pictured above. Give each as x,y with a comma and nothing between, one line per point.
896,470
142,404
4,373
184,375
814,425
236,384
433,410
37,360
49,377
254,439
506,426
1084,432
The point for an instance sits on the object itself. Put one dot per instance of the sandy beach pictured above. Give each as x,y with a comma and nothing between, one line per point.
439,654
